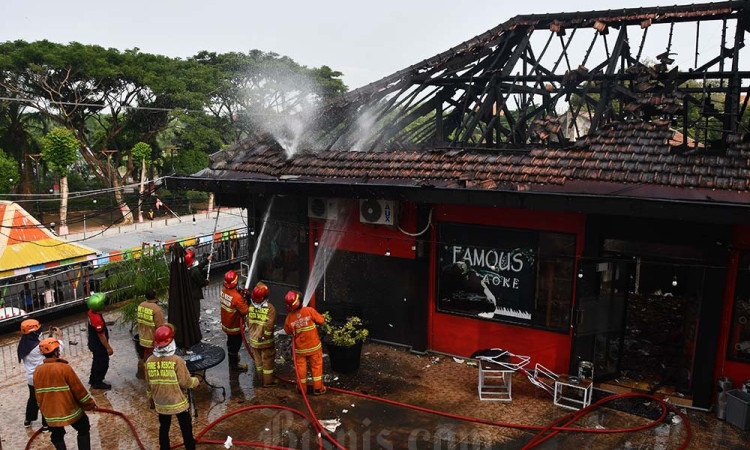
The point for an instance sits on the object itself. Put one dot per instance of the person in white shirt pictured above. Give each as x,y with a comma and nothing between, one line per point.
31,356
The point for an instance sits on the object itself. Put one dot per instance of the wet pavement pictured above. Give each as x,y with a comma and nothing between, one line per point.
432,381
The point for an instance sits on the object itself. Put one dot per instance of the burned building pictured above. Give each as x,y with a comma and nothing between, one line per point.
512,192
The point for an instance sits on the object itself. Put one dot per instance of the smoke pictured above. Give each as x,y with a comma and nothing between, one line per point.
365,125
284,104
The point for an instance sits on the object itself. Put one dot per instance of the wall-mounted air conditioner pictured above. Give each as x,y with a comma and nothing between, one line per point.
322,208
381,212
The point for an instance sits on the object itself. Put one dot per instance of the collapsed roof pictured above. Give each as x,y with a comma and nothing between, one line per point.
514,109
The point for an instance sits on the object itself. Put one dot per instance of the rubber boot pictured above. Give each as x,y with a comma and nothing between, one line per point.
84,441
234,363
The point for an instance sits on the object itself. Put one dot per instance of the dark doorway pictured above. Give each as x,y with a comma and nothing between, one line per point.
390,293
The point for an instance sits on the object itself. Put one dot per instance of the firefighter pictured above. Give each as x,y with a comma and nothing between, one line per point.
168,380
233,308
300,324
98,342
31,356
260,322
198,275
62,397
150,317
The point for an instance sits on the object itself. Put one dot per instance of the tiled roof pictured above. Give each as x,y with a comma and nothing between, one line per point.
622,153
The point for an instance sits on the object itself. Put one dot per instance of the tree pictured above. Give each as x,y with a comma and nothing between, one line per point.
60,151
130,278
9,175
189,161
254,91
141,152
74,84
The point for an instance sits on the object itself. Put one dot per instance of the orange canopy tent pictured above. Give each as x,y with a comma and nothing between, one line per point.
27,246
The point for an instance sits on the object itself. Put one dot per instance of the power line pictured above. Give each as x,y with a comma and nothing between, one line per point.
144,108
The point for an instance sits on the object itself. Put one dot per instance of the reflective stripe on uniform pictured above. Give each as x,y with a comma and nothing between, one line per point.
229,329
228,309
302,329
266,341
317,378
171,407
308,350
163,381
65,418
268,371
53,389
85,398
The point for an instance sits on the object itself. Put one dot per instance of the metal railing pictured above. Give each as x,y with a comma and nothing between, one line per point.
61,288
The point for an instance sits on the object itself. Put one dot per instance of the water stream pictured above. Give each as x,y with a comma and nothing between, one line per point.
333,231
258,243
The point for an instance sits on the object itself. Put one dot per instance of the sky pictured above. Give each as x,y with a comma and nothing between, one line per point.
364,40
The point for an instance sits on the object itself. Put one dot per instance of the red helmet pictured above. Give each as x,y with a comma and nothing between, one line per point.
260,292
293,300
29,326
163,336
230,279
48,345
189,258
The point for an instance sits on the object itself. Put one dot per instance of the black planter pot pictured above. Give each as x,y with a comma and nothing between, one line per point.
345,359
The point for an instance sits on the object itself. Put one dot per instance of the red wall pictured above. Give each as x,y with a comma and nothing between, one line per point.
462,335
737,371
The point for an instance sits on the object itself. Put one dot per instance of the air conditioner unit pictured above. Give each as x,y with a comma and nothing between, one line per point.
322,208
382,212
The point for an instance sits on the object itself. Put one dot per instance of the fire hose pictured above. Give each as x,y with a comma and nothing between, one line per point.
544,433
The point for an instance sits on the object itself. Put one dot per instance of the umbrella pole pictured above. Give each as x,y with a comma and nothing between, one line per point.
213,240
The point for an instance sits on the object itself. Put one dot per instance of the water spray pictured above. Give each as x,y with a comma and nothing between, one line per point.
326,245
257,244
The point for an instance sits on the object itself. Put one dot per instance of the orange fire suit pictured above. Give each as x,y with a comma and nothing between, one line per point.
233,307
300,324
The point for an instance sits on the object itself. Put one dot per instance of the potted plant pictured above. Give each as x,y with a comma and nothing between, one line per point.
344,340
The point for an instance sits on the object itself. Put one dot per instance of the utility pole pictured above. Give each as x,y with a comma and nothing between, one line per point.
108,154
36,157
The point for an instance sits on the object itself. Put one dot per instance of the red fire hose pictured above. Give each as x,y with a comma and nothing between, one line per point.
564,424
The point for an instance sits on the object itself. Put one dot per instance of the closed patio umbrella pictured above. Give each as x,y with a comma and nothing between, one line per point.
183,313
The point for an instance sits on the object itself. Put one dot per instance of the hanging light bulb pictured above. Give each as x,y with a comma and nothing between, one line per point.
674,281
388,252
315,243
252,233
580,273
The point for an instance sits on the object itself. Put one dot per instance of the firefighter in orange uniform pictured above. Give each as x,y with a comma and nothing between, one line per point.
260,322
233,308
62,397
300,324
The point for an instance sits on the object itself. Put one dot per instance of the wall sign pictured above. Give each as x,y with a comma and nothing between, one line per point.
487,272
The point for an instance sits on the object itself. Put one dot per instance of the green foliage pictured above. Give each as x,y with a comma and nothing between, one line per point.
142,152
188,161
8,172
344,334
60,150
131,278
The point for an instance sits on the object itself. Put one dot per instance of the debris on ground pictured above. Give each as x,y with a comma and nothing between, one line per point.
330,424
472,364
344,411
458,360
228,442
435,360
73,342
